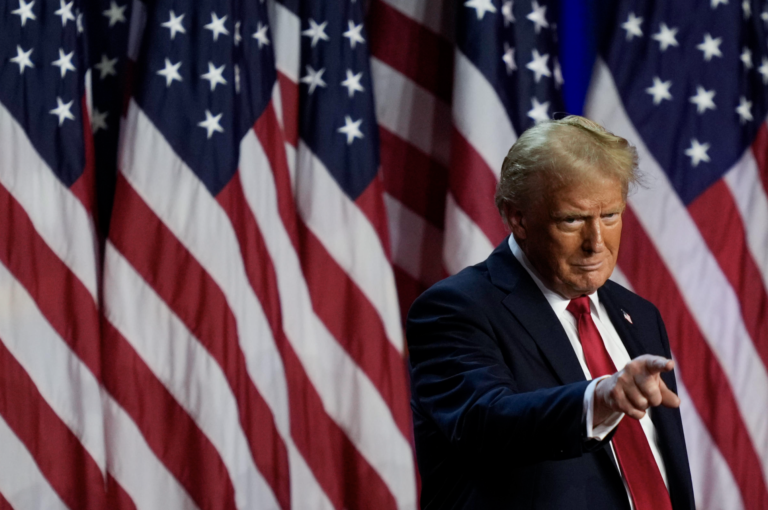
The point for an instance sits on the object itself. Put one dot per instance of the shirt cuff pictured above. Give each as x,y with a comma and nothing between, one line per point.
601,431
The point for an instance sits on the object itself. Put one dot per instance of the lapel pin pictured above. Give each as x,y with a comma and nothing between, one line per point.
626,316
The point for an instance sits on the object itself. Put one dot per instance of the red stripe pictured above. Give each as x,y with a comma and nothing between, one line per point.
371,204
60,295
410,48
414,178
167,266
760,150
704,378
473,185
336,299
4,505
84,188
62,460
721,225
169,431
408,289
289,96
345,476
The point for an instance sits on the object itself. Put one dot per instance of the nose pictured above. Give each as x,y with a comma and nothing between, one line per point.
592,236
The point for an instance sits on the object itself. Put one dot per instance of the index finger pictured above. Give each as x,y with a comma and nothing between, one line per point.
656,364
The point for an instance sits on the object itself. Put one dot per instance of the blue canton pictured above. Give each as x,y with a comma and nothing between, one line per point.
693,77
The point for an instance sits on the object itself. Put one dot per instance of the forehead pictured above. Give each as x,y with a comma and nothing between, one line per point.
597,192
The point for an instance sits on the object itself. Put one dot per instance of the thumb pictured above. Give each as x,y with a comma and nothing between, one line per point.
668,397
656,364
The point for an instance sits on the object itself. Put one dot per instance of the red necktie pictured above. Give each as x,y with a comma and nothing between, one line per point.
646,486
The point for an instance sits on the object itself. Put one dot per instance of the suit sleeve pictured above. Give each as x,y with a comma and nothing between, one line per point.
461,382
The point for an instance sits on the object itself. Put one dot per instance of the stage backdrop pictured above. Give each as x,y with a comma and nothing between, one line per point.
214,215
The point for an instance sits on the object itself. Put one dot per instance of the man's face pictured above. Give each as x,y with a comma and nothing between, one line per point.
572,235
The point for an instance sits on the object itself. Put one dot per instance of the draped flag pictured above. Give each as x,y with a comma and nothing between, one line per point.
686,82
251,333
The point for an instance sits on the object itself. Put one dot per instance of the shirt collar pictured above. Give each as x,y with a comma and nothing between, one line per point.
555,300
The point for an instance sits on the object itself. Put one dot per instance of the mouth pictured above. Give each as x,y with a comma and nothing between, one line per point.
589,267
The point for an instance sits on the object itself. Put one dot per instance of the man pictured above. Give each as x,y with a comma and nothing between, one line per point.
510,409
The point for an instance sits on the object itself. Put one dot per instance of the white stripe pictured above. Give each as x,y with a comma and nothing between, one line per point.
619,277
58,216
416,244
348,396
187,370
465,244
432,14
64,382
749,195
704,287
21,482
411,112
714,487
349,237
197,220
286,35
479,115
135,467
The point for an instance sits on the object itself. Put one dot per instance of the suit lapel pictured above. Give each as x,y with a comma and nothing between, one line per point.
529,306
636,343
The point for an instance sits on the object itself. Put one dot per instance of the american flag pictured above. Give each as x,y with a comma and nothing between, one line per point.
288,171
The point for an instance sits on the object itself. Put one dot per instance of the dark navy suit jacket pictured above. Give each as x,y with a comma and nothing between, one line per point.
498,396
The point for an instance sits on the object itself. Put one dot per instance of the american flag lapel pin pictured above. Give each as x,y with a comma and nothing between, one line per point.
626,316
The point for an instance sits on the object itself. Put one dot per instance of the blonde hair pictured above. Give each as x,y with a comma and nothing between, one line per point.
557,152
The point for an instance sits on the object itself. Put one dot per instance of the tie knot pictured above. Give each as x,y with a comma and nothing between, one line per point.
579,306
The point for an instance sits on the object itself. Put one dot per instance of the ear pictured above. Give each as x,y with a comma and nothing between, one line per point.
516,222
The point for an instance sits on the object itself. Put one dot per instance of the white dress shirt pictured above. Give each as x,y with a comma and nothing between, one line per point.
616,350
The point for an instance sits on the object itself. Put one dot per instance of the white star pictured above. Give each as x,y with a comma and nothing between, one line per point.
764,16
539,16
539,111
697,152
715,3
744,110
170,72
509,58
763,70
211,123
316,32
746,58
480,7
214,75
660,90
174,25
65,11
106,67
79,22
558,73
314,79
539,65
746,8
22,58
25,11
98,121
261,35
710,47
217,27
351,129
64,63
115,13
353,83
63,111
666,37
353,34
237,38
506,12
632,26
704,100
